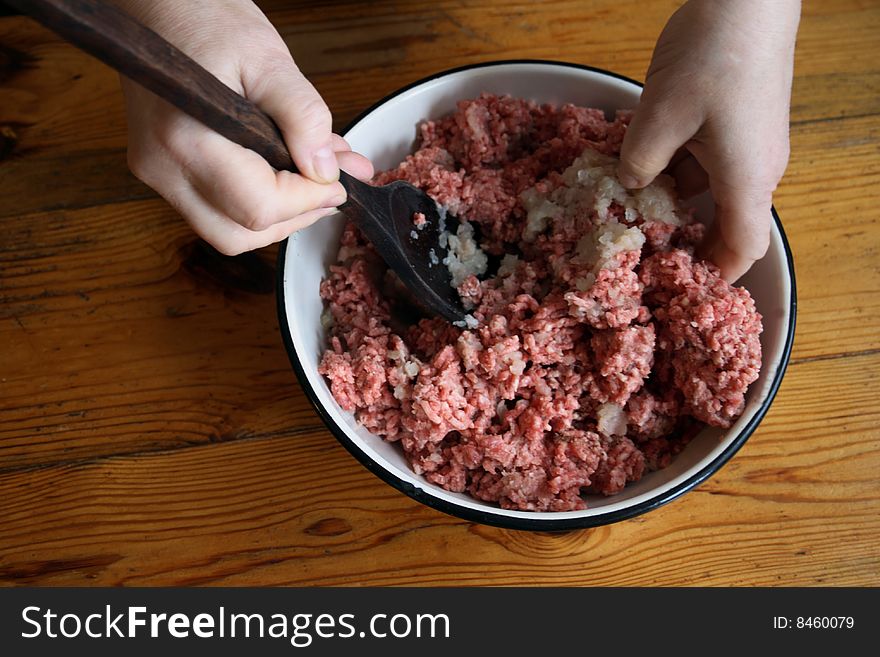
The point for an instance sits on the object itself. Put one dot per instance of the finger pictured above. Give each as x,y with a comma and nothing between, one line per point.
339,143
690,176
281,90
713,248
355,164
228,236
242,185
658,129
740,234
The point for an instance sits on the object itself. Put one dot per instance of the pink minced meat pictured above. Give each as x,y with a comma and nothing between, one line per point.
624,358
647,345
710,331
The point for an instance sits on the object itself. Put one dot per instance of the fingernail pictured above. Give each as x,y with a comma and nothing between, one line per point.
325,164
336,201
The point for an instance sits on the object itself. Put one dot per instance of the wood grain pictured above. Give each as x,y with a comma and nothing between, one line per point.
282,510
828,206
152,432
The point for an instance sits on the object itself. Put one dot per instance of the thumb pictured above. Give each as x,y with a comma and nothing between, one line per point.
740,234
289,98
657,130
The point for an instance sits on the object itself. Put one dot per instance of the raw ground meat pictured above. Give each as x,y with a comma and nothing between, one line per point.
595,349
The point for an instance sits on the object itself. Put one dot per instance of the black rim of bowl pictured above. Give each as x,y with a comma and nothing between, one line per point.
488,516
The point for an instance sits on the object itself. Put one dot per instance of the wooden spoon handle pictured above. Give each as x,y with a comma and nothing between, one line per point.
121,42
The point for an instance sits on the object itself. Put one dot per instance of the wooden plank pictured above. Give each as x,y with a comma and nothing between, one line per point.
124,333
300,510
46,181
57,98
828,205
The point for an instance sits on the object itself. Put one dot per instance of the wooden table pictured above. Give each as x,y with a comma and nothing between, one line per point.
152,431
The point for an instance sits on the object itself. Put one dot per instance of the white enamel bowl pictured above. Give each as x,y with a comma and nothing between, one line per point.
386,134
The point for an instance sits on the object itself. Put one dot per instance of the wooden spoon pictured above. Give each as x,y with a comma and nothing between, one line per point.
383,214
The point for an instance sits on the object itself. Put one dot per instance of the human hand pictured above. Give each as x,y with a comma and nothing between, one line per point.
230,195
714,113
